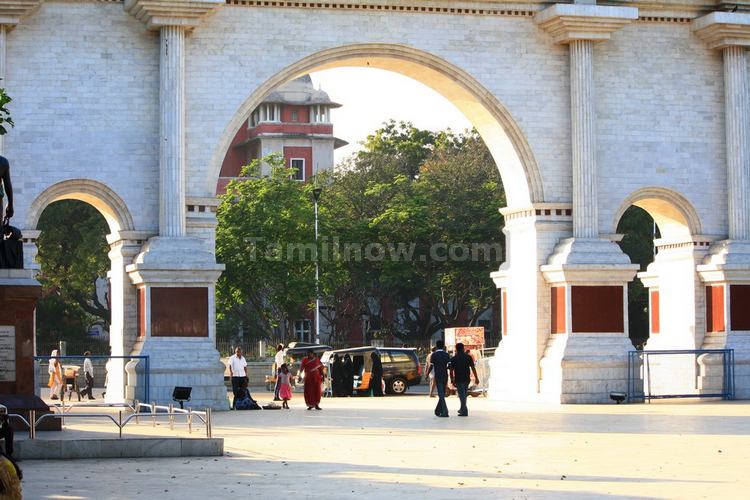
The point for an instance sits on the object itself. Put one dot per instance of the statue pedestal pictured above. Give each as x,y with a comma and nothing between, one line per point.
19,292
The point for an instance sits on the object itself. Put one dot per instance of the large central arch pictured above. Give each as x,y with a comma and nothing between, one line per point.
501,133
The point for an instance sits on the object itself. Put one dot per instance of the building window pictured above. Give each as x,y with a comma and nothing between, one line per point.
295,117
298,168
303,330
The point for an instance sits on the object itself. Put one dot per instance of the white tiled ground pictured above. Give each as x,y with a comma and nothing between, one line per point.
394,447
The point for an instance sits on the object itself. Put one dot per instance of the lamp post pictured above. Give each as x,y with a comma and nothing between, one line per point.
316,195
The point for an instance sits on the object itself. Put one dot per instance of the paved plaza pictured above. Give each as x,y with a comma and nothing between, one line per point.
394,447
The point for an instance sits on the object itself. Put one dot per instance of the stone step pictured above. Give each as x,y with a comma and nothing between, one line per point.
62,449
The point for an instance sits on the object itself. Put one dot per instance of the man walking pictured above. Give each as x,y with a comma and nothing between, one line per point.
88,373
439,363
278,360
238,372
460,365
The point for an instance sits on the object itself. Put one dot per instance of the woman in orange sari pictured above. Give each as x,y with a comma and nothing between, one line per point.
55,376
313,369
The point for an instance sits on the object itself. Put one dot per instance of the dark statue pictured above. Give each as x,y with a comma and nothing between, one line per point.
11,247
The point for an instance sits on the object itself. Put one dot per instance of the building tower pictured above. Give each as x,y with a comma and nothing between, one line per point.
294,120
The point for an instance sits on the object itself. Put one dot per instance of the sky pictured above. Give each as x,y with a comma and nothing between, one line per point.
371,96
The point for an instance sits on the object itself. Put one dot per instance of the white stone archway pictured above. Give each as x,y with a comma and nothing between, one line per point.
676,300
499,130
124,241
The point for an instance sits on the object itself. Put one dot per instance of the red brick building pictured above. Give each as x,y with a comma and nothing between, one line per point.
294,120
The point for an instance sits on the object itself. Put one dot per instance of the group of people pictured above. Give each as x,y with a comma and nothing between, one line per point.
342,376
57,382
310,366
441,367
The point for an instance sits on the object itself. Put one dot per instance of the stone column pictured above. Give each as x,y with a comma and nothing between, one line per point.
585,347
172,132
174,274
737,115
726,269
583,138
124,246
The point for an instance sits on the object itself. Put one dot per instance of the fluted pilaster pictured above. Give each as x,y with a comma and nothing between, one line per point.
172,132
583,137
738,156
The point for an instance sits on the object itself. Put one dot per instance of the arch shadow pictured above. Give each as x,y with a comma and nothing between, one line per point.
95,193
499,130
672,212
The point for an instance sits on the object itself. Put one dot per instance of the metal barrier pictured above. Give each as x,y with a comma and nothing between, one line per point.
642,359
146,368
171,413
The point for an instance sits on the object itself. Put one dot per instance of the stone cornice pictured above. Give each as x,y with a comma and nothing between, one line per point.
158,13
11,11
570,22
723,29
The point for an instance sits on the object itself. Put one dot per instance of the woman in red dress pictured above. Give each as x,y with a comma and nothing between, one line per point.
313,369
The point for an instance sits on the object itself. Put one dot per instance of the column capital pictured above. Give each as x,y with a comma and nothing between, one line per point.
723,29
158,13
569,22
11,11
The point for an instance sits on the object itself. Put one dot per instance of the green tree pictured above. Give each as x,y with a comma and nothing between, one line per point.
73,256
266,240
5,118
417,189
637,226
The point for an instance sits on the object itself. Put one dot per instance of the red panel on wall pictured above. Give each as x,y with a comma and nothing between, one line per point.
299,152
504,311
179,312
715,308
654,311
739,307
141,312
597,309
557,299
303,114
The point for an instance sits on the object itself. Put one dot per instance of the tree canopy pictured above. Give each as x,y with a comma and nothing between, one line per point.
73,256
409,232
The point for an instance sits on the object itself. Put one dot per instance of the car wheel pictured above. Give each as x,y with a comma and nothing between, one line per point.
398,386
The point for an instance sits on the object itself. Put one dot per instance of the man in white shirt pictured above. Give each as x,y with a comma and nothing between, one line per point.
238,372
278,360
88,373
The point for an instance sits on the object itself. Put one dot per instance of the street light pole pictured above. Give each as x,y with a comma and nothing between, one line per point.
316,196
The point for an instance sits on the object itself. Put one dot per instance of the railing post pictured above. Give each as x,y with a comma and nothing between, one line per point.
171,416
209,431
32,424
119,424
153,413
190,420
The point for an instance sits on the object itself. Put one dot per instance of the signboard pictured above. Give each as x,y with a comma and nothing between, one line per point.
472,337
7,353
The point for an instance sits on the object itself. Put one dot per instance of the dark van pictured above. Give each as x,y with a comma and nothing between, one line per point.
401,368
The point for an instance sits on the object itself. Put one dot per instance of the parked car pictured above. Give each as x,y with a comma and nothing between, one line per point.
401,368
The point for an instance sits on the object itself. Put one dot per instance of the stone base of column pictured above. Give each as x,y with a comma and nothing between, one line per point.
174,363
584,368
727,266
586,356
175,279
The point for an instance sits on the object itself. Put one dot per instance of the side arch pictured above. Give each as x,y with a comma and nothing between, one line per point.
504,138
96,194
672,212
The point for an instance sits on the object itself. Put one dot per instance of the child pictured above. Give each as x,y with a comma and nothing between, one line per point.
285,385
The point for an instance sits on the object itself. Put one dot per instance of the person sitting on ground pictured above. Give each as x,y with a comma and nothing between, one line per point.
245,401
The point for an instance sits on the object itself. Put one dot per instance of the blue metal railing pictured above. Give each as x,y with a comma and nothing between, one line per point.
146,367
638,359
